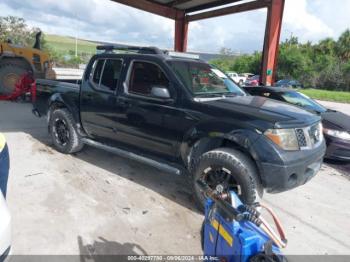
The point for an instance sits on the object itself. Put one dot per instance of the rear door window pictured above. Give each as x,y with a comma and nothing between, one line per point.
107,74
111,74
98,67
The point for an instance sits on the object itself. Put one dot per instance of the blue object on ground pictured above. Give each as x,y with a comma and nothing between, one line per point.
234,241
4,165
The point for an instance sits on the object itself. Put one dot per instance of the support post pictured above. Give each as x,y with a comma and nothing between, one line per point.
271,43
181,33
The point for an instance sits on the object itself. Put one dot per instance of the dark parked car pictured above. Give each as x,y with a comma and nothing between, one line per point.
178,113
287,83
253,81
336,125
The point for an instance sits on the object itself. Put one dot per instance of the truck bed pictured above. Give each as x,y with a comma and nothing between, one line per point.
67,89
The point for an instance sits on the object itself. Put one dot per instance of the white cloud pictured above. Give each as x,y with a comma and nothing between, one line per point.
242,32
300,22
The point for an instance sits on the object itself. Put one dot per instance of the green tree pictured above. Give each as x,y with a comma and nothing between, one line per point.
16,30
343,46
326,46
325,64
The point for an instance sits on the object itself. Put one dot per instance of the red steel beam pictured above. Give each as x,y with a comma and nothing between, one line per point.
151,7
230,10
181,33
272,31
271,44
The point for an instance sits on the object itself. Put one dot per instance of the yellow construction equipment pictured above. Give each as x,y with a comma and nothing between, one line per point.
16,61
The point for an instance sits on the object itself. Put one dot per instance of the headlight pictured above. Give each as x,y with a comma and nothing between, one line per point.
336,133
284,138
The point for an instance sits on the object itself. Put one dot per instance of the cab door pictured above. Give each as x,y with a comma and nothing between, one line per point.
142,114
98,98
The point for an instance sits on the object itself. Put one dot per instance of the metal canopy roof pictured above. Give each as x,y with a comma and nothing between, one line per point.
186,11
193,5
176,9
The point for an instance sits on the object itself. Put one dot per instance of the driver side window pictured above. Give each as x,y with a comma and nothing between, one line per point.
144,76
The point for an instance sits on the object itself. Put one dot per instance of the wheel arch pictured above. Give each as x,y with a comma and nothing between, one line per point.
57,101
240,140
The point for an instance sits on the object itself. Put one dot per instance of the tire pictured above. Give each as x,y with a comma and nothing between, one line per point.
62,128
9,76
230,168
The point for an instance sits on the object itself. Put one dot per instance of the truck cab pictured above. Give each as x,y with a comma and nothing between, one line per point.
180,114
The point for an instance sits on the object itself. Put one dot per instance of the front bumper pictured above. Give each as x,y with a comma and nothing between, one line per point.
337,149
284,170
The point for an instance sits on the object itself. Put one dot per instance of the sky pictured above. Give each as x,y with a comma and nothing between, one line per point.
104,20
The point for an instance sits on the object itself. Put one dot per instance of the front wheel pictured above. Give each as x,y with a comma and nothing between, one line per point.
230,168
63,132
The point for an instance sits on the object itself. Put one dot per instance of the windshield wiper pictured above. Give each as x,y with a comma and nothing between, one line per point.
231,94
216,95
210,95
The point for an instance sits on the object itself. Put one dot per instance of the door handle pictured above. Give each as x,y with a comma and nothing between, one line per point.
123,102
88,97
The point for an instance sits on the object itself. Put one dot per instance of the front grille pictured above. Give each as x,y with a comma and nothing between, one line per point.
309,137
301,137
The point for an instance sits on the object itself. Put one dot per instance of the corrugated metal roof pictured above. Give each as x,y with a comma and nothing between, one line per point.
173,9
193,5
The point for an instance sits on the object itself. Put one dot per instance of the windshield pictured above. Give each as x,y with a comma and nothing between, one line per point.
202,79
302,100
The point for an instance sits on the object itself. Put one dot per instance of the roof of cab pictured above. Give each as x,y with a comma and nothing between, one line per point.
146,51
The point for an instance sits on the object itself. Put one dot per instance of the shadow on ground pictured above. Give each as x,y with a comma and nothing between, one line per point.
17,117
342,167
102,250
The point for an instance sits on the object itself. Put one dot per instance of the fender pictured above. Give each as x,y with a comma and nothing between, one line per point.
58,100
204,137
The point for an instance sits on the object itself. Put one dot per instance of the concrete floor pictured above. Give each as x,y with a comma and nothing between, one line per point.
342,107
96,202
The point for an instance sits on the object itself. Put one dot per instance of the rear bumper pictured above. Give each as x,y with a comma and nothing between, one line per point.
337,149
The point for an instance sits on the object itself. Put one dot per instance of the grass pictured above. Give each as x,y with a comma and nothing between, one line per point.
65,44
326,95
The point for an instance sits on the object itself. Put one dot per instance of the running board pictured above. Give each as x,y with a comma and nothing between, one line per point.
142,159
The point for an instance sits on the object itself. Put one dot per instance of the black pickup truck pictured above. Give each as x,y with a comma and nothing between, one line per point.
181,115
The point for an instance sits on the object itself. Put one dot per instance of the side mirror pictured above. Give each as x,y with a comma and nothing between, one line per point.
160,92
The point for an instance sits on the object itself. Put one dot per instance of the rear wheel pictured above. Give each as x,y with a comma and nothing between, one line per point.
230,168
9,76
63,132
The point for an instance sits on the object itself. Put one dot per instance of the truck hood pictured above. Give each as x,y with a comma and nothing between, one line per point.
280,114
